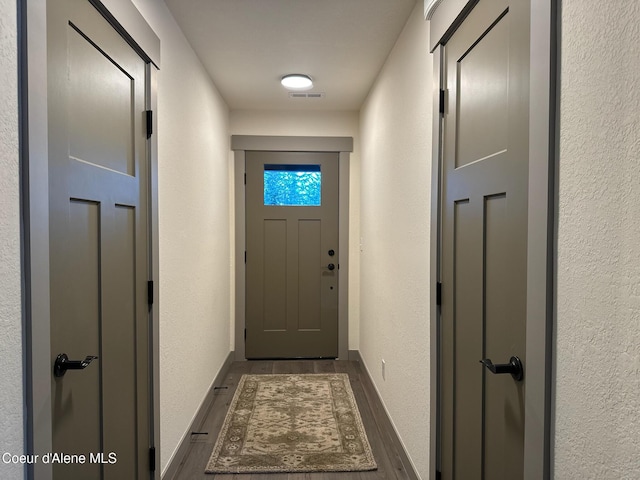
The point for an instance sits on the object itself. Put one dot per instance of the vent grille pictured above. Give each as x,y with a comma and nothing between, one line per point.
306,94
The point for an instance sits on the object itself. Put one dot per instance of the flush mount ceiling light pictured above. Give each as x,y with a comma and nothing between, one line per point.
297,81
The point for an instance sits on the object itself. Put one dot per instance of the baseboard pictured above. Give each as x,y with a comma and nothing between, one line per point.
181,452
374,397
354,356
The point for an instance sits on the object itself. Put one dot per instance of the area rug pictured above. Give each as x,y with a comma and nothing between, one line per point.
292,423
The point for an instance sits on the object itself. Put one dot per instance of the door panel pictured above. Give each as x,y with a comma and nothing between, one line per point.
275,275
484,228
504,398
483,80
103,88
292,224
98,244
77,297
309,275
468,329
119,380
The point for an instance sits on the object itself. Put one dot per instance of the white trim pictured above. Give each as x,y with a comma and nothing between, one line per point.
35,198
430,7
538,460
435,242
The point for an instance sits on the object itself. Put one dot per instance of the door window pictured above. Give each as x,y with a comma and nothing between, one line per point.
292,185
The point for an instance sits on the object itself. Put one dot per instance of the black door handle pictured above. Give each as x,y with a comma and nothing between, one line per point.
331,266
63,364
514,367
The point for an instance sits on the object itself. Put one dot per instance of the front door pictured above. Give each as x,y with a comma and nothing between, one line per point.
292,255
98,247
484,243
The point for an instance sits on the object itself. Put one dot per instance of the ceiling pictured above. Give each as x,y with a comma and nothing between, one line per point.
248,45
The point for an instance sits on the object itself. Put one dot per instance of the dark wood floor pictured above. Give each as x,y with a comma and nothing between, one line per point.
385,449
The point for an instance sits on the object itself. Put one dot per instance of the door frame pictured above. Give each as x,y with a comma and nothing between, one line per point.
343,146
444,17
34,198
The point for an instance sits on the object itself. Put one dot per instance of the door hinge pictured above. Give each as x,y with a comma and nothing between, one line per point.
152,459
150,292
438,293
245,178
149,123
442,98
245,256
245,335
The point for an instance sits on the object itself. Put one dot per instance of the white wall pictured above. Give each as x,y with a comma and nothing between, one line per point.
396,179
194,295
597,421
321,123
11,401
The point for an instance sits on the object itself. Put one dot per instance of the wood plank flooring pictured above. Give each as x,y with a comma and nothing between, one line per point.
385,450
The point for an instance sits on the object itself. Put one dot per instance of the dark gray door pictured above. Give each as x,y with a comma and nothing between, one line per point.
292,255
98,245
484,244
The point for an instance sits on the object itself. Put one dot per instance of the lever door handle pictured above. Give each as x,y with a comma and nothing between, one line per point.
63,364
514,367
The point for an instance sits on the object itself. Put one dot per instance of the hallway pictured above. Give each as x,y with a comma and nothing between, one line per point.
380,436
595,311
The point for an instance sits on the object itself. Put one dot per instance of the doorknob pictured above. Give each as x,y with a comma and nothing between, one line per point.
514,367
331,266
63,364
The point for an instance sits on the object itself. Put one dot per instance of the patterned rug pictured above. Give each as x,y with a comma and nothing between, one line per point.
292,423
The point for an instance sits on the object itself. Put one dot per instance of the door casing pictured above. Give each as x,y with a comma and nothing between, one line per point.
444,17
341,145
34,178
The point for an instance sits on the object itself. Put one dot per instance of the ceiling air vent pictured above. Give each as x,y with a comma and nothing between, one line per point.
306,94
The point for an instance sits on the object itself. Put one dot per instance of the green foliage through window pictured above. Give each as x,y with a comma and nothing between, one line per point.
292,185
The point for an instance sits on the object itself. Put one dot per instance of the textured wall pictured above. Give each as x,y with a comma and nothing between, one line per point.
396,180
194,229
329,124
11,406
597,424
